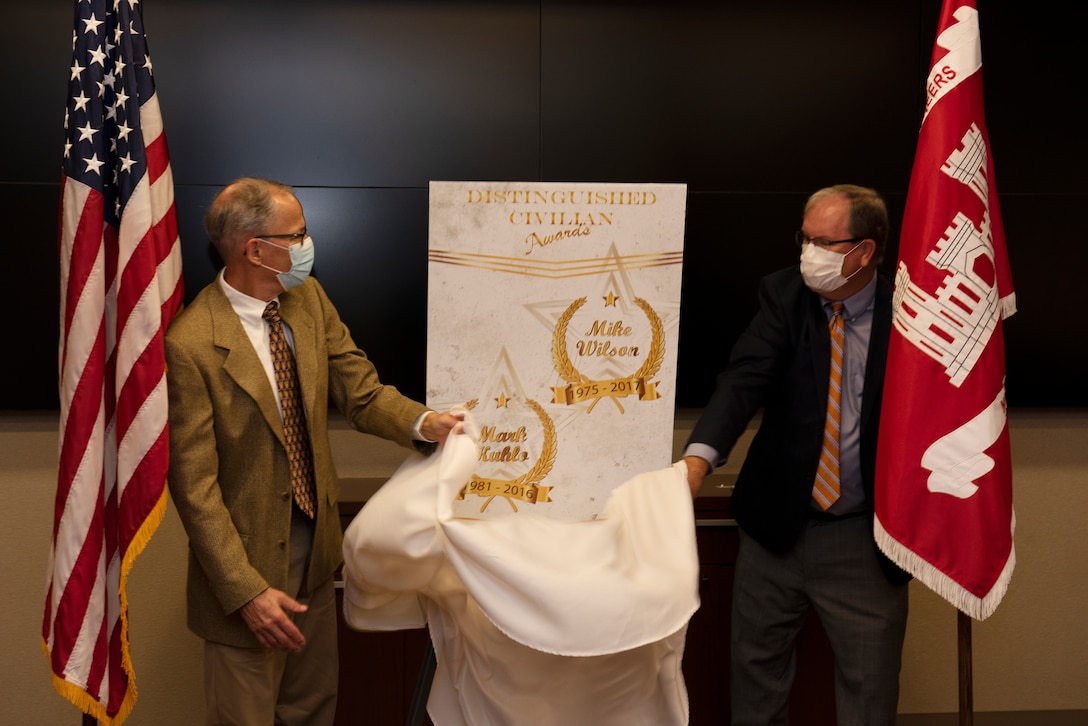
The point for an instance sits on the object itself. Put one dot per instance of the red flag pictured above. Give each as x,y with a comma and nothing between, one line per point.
120,286
944,476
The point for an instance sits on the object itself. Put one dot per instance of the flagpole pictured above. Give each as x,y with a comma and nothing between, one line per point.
89,720
966,696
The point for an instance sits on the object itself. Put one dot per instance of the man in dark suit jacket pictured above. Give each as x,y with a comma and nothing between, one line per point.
260,588
801,547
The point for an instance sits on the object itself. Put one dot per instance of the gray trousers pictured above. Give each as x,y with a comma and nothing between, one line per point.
833,569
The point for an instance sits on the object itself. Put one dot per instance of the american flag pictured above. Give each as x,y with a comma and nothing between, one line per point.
120,285
944,471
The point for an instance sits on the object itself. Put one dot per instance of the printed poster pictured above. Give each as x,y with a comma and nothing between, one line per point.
554,315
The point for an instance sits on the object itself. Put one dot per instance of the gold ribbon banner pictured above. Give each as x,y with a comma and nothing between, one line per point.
483,487
611,388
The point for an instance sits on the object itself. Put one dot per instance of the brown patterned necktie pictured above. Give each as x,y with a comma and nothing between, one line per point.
294,416
826,488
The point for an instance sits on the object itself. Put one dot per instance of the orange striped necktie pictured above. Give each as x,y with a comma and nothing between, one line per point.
825,490
295,432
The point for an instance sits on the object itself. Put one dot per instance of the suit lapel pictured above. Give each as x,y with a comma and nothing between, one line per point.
242,363
879,336
821,349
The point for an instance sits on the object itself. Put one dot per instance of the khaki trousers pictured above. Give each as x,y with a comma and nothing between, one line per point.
260,687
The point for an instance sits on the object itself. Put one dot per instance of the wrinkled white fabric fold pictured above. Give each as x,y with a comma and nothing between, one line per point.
533,620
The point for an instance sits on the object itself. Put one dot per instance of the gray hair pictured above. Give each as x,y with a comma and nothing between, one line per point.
240,211
868,213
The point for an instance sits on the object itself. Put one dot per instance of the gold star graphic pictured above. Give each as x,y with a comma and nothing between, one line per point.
501,401
610,299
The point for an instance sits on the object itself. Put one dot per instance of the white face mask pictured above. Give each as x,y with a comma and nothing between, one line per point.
822,268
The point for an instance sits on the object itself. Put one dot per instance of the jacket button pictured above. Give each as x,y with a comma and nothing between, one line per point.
282,544
285,495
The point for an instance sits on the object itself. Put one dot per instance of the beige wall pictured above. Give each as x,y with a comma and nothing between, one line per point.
166,657
1032,654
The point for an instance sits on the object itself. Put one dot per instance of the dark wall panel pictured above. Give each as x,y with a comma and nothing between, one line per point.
753,105
1034,73
28,366
373,253
38,43
1046,342
782,97
345,94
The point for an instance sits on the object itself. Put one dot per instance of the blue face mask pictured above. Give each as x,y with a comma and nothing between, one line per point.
302,262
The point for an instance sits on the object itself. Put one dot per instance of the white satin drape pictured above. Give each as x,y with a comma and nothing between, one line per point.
534,621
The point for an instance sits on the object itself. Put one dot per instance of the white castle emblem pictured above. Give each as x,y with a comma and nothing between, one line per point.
954,324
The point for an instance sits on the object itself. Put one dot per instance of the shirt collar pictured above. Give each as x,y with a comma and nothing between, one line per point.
250,309
858,303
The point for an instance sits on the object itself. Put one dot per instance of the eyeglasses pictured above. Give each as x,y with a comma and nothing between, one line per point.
802,239
294,238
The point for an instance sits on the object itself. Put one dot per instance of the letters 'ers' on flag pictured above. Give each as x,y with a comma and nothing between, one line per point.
120,285
944,476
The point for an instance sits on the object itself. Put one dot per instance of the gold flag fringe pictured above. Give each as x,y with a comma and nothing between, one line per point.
74,693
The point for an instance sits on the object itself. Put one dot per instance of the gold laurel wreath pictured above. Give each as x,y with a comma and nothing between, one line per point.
652,364
544,462
568,372
563,366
